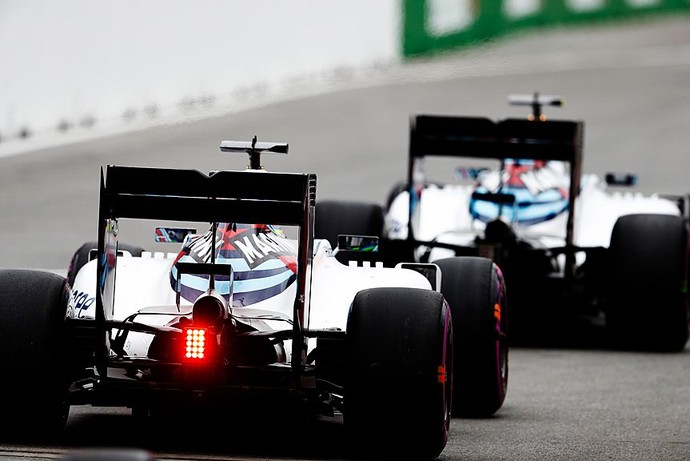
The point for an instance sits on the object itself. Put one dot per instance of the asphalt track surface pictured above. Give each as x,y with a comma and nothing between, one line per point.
629,83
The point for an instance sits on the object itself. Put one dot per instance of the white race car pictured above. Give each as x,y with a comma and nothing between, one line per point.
571,245
243,315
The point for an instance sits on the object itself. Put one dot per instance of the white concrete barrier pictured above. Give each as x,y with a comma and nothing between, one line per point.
85,65
76,69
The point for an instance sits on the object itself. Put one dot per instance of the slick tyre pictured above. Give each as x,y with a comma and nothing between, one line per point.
398,387
648,306
33,391
81,257
341,217
476,292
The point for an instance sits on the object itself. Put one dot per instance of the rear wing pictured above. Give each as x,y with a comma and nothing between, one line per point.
484,138
222,196
450,136
189,195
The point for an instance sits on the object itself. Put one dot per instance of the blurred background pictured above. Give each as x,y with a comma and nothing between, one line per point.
81,68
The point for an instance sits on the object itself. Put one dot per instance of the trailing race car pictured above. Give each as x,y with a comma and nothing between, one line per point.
570,248
251,315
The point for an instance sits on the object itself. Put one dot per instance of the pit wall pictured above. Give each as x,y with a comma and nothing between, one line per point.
430,26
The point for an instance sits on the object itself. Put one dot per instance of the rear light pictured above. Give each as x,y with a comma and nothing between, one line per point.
197,343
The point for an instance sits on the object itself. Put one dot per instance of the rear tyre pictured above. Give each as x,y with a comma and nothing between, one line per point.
402,186
398,388
81,257
648,305
476,292
33,391
397,189
339,217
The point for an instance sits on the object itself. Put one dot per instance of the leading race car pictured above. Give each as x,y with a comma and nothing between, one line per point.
570,245
252,315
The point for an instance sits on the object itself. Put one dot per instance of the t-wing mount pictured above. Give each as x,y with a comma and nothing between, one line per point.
254,149
536,100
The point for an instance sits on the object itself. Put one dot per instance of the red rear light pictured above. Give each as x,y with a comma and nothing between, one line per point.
196,344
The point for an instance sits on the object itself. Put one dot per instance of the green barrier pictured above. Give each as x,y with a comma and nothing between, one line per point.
430,26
